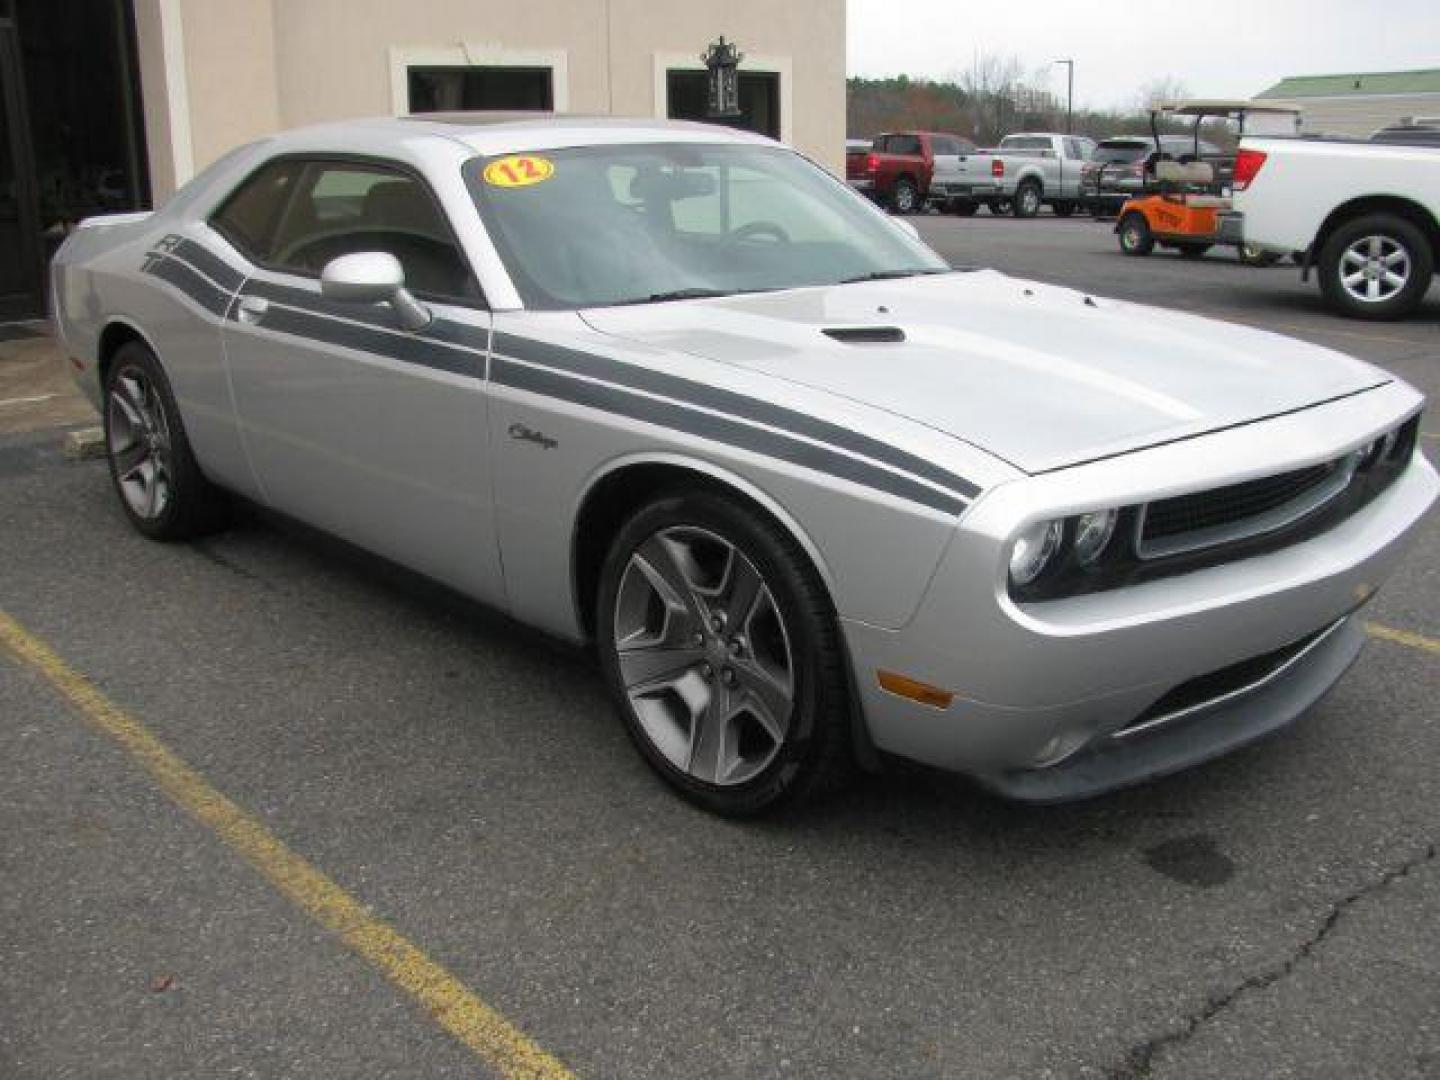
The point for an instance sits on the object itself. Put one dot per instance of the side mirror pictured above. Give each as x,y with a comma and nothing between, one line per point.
373,277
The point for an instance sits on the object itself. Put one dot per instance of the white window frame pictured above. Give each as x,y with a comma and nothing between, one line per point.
475,54
666,62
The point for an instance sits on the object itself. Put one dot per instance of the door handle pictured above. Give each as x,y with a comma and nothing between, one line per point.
253,309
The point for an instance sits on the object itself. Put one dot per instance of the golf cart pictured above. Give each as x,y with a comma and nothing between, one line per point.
1186,203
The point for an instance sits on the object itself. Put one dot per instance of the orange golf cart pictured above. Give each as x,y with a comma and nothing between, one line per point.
1186,204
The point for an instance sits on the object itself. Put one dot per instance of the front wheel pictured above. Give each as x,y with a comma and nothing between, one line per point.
161,487
1135,235
721,650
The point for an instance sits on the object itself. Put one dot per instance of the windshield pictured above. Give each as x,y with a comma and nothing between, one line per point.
617,224
1124,153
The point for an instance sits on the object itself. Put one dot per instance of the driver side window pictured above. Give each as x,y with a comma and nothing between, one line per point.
342,207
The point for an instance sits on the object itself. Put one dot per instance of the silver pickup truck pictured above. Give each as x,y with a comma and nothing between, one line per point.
1025,172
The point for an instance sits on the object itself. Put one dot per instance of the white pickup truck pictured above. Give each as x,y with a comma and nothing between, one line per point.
1364,216
1025,172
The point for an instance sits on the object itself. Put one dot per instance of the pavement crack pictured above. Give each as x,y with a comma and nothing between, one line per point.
1140,1059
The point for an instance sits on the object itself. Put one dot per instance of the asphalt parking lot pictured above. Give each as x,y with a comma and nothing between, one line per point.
461,785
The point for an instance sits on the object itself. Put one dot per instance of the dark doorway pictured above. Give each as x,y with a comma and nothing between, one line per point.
463,89
71,141
688,94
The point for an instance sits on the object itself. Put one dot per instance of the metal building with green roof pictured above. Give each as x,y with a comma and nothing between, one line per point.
1360,103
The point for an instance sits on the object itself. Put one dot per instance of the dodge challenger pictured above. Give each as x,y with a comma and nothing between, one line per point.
813,495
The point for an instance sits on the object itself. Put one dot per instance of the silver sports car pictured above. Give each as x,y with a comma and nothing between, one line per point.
814,495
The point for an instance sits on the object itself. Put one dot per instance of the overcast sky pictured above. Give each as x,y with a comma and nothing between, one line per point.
1218,48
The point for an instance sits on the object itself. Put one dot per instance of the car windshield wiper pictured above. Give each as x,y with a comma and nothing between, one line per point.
886,275
680,294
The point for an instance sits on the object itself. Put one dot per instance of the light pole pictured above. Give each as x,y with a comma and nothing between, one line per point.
1069,95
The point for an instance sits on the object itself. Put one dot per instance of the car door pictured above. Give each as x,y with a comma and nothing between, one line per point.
352,423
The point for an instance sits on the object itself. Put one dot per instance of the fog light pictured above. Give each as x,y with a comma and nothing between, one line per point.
1057,748
1033,550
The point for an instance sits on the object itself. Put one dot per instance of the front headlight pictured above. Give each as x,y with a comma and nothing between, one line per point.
1092,533
1033,550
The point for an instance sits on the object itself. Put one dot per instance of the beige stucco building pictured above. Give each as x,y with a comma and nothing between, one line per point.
215,73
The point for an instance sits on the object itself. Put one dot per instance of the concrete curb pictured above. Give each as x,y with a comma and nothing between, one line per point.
84,444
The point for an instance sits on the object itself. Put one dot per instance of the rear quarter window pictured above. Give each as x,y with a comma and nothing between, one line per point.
249,216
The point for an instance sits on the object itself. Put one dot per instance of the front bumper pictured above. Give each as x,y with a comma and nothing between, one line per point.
1043,691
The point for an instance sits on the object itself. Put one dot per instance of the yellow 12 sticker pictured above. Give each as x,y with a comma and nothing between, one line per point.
519,170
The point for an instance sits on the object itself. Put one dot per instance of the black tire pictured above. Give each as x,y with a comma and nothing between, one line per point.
814,756
1027,201
964,207
1135,235
191,505
1251,255
1192,251
1396,235
1062,208
905,197
998,207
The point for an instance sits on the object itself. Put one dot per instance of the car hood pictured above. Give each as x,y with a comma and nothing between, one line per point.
1040,376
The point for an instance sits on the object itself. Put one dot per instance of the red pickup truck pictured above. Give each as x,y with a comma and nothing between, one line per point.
897,169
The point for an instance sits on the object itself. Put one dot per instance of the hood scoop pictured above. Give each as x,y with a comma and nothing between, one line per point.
865,335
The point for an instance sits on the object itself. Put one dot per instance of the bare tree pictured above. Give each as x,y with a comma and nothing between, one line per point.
997,93
1160,91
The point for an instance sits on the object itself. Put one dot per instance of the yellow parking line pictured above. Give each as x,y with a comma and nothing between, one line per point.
1408,638
493,1039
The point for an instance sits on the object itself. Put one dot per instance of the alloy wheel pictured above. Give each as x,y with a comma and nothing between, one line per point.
1374,268
139,444
704,655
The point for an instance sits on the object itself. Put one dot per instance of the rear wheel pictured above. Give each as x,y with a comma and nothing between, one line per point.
1255,255
1135,235
905,199
160,485
721,650
1376,267
1027,200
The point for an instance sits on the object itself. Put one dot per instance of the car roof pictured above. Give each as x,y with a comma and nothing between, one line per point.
486,133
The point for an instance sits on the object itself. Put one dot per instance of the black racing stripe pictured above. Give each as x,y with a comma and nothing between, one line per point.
410,348
666,414
209,264
377,315
726,401
184,277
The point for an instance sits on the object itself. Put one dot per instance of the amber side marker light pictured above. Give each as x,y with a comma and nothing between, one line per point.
915,690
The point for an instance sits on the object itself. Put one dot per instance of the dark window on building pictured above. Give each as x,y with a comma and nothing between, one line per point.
462,89
688,93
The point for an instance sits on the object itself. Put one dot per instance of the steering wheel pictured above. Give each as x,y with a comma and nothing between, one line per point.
754,229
